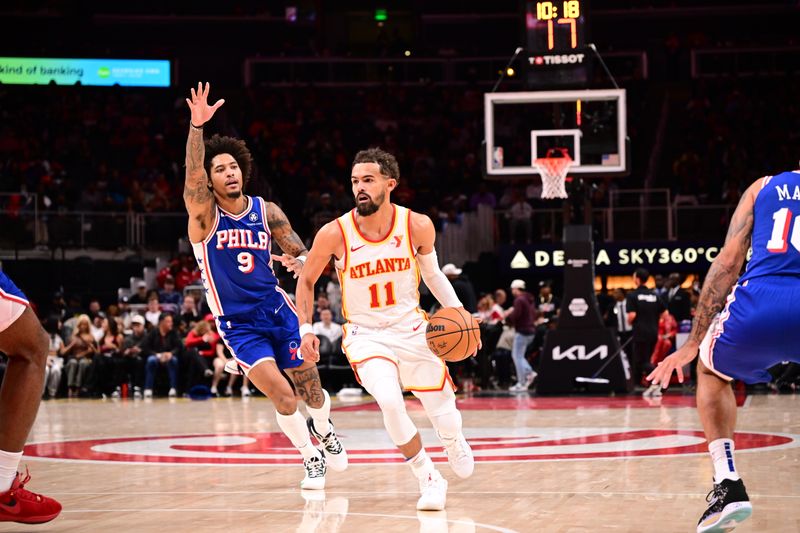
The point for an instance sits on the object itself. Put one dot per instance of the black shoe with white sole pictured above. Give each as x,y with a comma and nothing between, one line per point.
728,507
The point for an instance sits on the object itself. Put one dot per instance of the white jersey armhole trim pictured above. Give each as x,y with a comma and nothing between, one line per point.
214,227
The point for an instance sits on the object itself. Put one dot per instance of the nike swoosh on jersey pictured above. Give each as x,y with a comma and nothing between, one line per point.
418,325
356,248
279,307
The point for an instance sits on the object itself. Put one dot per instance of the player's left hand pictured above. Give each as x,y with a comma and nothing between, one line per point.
309,347
292,264
675,362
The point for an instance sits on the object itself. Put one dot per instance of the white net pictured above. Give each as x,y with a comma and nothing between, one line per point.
554,173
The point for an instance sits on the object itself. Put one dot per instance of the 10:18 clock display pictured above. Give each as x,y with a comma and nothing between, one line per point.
555,25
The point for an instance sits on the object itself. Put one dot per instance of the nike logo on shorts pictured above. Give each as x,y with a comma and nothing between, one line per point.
279,307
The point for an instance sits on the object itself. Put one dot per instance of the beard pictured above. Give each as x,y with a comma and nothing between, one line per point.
234,195
369,207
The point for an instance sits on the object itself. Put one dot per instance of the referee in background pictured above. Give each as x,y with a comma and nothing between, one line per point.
644,309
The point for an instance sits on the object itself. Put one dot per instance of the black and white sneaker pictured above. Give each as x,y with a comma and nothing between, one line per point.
315,473
728,507
335,453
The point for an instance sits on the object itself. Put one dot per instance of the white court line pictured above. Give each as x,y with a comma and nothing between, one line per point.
228,510
397,492
747,401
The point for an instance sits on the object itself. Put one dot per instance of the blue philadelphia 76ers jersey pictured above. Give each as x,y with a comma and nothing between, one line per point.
235,261
9,291
776,228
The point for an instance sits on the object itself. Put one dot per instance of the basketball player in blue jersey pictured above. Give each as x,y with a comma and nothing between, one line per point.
757,327
232,235
24,341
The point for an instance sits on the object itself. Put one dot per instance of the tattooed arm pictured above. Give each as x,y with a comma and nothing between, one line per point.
197,196
721,276
282,232
725,269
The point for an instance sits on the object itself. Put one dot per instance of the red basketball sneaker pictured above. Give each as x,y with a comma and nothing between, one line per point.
20,505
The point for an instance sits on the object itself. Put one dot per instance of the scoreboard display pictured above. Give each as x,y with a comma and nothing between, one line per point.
556,38
555,26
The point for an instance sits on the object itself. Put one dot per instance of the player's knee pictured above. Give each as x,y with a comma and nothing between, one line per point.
286,404
389,399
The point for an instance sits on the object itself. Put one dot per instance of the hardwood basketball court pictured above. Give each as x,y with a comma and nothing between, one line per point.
576,464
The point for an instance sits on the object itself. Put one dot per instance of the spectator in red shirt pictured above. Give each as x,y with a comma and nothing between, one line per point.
205,354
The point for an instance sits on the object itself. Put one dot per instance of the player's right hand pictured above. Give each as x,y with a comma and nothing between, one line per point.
198,105
674,363
292,264
309,347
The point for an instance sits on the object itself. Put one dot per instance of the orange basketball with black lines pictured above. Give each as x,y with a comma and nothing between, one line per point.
453,334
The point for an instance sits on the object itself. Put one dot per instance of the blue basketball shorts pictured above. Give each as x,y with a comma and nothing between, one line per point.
267,332
12,302
758,328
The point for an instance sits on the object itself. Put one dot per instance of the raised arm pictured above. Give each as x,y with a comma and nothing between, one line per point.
721,276
197,196
327,243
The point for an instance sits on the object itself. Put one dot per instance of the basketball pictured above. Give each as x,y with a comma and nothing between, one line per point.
453,334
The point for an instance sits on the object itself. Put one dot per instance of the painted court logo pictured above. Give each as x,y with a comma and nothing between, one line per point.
369,446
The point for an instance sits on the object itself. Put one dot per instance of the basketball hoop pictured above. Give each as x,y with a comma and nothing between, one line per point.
554,172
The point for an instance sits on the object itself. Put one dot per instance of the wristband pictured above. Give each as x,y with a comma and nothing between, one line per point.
302,258
200,127
305,329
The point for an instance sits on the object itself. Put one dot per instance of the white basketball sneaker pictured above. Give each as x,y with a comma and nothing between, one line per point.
433,492
315,473
459,455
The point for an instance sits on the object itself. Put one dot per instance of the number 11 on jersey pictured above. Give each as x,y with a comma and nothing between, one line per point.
375,295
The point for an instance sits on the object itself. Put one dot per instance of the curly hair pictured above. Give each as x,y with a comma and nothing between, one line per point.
229,145
385,160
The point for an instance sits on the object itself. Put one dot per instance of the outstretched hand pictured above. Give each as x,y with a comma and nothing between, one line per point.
198,105
292,264
675,362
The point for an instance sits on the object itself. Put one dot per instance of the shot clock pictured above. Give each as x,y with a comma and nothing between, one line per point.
555,26
555,33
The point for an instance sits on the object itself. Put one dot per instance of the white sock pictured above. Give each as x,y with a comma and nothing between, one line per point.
294,426
421,464
9,462
320,415
722,456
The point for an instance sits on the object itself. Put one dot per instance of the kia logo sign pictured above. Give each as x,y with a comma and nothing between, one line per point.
578,353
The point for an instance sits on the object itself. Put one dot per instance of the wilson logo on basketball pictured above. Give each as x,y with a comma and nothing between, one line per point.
433,329
368,446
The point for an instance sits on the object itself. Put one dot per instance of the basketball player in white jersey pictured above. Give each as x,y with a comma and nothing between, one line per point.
380,251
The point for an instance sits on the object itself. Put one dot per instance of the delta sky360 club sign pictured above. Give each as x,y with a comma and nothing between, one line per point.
371,446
